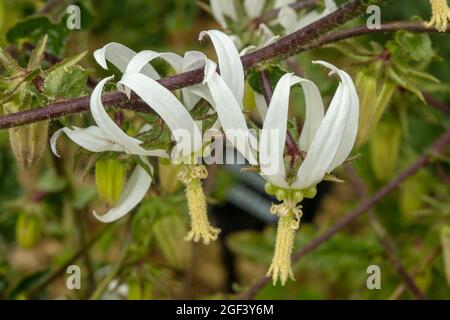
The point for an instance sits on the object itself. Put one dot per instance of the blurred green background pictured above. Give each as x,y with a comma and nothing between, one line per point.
159,264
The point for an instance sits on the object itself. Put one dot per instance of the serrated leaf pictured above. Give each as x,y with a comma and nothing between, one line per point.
404,83
417,45
38,54
69,62
274,74
35,28
67,82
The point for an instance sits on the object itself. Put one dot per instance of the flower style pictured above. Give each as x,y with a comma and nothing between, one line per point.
441,15
288,18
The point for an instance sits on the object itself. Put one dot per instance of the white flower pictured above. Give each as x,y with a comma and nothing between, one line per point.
223,8
227,93
254,8
328,139
107,136
288,18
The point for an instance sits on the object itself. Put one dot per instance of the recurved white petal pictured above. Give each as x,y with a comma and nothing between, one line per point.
314,113
143,58
120,55
231,69
351,125
231,117
133,193
253,8
273,133
261,105
168,107
91,138
222,8
326,142
288,19
281,3
267,36
110,128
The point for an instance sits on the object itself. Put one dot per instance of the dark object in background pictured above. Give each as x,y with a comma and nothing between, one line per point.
247,207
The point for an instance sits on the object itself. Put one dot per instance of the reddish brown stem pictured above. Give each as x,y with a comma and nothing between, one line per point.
438,147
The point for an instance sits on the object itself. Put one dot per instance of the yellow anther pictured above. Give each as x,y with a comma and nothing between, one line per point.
440,15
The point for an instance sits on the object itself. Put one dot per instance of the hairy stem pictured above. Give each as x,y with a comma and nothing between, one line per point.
438,147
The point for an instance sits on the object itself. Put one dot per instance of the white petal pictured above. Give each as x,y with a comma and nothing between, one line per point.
231,69
193,60
143,58
167,106
109,127
222,8
351,126
330,6
267,36
133,193
91,138
231,117
120,55
307,19
261,105
282,3
253,8
273,133
314,113
325,144
287,18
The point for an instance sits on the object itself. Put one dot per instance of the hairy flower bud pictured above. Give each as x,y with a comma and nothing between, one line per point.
28,143
139,289
168,177
109,177
28,229
169,232
373,103
384,149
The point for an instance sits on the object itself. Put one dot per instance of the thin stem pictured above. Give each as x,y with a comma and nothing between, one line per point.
382,234
103,285
61,270
438,147
284,47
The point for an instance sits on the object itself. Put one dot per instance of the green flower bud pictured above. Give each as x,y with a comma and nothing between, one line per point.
374,98
168,177
298,196
310,192
280,194
384,149
170,231
139,289
270,188
28,229
110,178
28,143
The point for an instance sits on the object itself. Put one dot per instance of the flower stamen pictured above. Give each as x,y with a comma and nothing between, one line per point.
290,214
440,15
191,177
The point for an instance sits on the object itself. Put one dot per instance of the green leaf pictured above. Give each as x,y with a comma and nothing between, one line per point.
417,45
69,62
38,54
35,28
67,82
274,73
